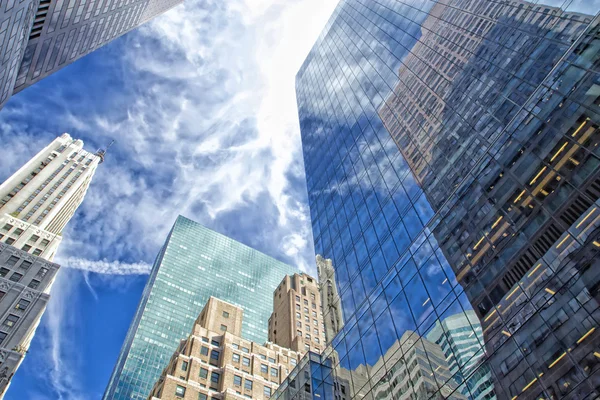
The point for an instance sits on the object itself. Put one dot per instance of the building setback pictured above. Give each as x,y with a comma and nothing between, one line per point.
297,319
215,362
452,165
194,264
39,37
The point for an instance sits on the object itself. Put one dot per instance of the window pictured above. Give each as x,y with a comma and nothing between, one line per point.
312,296
26,247
307,319
314,305
37,252
314,314
245,350
205,339
305,302
203,373
7,227
248,384
307,336
22,304
298,315
25,265
235,346
293,361
305,310
214,355
316,331
18,231
264,368
315,322
202,396
34,284
204,350
225,314
224,328
245,361
15,277
10,241
45,242
299,324
3,336
215,342
271,360
298,307
12,261
184,366
11,320
299,332
274,372
298,298
34,238
262,356
3,272
306,347
235,357
317,340
214,377
267,391
180,391
237,380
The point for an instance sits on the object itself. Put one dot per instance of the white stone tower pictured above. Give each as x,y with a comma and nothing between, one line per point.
38,200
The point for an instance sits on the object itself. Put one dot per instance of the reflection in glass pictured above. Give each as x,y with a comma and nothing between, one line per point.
451,152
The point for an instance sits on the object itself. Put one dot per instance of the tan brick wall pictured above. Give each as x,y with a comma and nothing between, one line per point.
227,344
296,307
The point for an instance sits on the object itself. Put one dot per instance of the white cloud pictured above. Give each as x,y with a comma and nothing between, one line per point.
106,267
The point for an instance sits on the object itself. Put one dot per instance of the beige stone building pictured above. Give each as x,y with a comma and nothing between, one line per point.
297,319
214,362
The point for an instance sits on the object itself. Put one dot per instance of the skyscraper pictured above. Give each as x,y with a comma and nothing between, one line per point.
36,203
38,200
297,319
452,167
194,264
39,37
461,340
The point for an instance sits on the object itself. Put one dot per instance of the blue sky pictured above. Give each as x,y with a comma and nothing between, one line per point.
202,107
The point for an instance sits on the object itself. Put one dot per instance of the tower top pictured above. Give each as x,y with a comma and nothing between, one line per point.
102,152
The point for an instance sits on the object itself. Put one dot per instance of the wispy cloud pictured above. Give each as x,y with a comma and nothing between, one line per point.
106,267
202,105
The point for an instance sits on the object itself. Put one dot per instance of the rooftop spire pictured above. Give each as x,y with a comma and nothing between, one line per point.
102,152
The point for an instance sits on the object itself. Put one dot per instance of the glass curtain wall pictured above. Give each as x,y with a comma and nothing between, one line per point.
452,162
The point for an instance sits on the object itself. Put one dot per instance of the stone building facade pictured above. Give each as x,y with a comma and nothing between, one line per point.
215,362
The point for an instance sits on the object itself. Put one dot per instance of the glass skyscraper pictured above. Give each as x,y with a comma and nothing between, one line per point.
194,264
452,156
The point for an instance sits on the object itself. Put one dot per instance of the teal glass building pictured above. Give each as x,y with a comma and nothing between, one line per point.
194,264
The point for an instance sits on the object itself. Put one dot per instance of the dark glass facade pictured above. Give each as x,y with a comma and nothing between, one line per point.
452,162
39,37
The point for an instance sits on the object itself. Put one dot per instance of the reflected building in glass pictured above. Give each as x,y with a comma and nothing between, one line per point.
194,264
451,153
